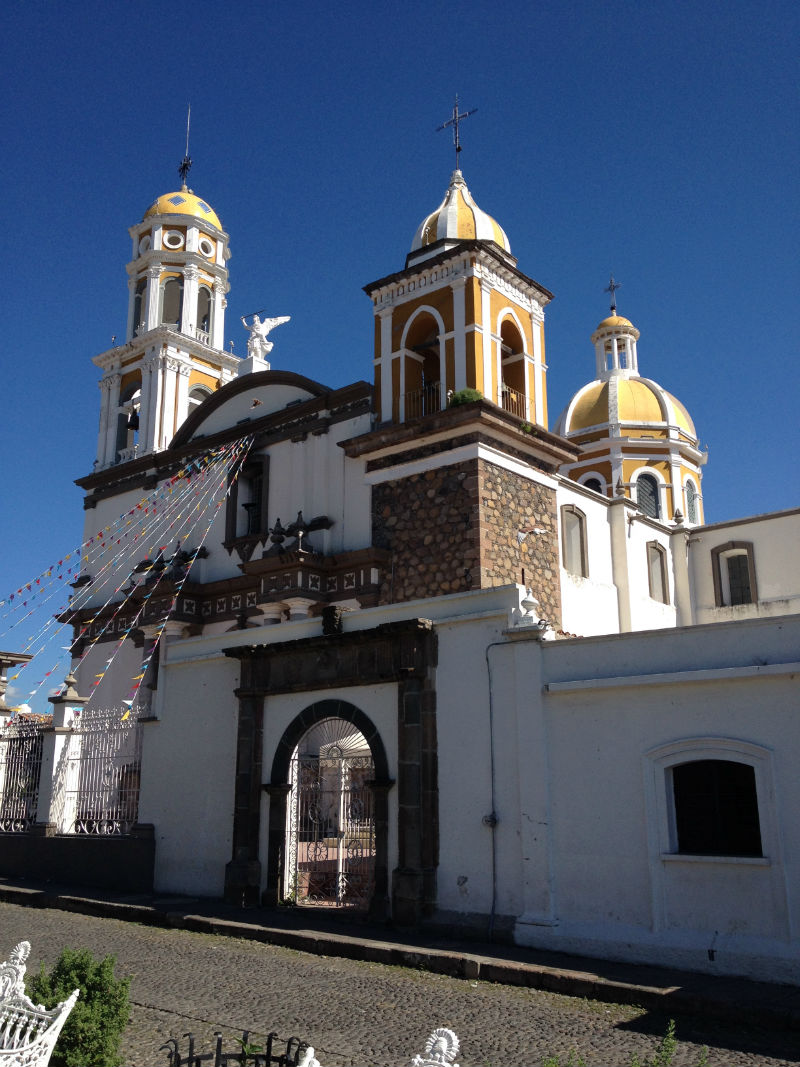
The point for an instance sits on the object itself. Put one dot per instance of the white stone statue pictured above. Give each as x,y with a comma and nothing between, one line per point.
257,343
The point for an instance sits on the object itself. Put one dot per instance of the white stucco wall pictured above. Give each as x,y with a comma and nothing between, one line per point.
188,773
776,551
588,605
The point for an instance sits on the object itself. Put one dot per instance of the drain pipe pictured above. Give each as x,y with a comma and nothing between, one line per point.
491,820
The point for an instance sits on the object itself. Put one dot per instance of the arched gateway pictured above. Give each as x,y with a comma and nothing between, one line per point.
328,810
330,821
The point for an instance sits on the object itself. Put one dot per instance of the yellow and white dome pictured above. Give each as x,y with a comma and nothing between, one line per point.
622,402
183,202
458,218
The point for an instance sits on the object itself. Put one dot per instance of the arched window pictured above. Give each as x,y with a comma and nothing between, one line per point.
573,541
512,369
657,572
647,495
139,307
204,309
198,395
734,574
716,808
172,301
595,485
691,502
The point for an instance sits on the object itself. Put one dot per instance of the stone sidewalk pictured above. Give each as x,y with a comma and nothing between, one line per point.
658,994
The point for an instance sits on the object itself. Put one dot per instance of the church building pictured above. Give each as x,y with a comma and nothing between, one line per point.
410,649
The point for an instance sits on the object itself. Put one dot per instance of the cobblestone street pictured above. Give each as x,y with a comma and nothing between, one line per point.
360,1013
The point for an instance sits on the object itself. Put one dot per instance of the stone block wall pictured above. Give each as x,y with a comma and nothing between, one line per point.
429,522
455,528
509,503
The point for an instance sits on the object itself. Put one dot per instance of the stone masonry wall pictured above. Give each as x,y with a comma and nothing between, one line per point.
455,528
430,523
509,503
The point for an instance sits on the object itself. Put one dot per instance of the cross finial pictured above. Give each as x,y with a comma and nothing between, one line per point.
186,163
612,288
453,121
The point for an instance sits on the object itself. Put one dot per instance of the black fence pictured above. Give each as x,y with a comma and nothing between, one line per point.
248,1054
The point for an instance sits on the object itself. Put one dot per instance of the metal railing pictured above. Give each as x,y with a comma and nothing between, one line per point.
514,402
423,401
20,768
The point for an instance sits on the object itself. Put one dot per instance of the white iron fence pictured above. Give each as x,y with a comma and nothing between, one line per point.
95,774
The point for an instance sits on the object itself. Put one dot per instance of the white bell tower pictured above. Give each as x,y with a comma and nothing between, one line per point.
173,353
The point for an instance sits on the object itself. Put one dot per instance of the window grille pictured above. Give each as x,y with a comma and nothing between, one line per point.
691,502
647,495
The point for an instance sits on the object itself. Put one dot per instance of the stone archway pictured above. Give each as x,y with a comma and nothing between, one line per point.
318,855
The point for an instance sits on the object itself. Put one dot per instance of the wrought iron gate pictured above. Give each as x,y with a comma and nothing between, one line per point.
20,766
331,825
96,788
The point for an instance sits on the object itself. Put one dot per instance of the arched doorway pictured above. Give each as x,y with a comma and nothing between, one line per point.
329,822
330,819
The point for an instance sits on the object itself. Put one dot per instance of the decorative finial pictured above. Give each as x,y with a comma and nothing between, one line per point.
453,121
612,288
186,163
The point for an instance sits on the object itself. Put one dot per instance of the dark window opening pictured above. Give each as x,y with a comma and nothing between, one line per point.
647,495
716,808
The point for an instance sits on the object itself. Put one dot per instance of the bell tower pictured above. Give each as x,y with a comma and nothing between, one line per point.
173,354
459,316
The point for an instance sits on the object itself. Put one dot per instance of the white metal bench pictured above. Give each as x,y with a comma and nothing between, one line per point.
28,1031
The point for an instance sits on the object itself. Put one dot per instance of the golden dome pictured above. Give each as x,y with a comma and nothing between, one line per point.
458,218
639,401
614,320
183,202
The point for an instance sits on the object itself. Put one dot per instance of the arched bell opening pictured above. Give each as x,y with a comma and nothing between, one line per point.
128,422
328,824
513,391
422,368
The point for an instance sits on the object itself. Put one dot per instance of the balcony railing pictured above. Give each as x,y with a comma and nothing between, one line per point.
423,401
514,402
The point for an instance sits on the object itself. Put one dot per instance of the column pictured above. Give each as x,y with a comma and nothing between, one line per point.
619,511
131,324
486,313
385,316
147,404
60,770
113,411
169,376
102,434
679,547
182,385
538,369
188,321
459,338
217,338
153,295
243,872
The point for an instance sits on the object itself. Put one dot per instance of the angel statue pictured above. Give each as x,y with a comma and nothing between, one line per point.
257,343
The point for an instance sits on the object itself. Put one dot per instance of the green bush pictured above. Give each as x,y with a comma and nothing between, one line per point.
465,396
93,1030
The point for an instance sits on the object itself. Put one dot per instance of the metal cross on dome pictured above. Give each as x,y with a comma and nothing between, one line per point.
612,288
186,163
453,121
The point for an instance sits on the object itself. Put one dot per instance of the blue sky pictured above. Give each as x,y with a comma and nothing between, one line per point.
655,140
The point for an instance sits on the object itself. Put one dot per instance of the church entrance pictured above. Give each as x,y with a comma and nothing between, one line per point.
330,819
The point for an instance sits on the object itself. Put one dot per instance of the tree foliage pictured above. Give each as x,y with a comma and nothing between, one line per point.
93,1030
